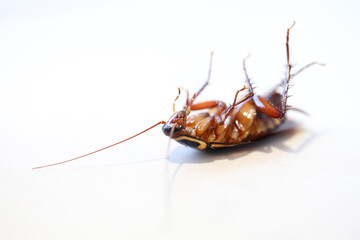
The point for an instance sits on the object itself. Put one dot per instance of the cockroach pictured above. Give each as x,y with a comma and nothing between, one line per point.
218,125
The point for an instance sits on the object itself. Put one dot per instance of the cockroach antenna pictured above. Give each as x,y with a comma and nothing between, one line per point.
219,125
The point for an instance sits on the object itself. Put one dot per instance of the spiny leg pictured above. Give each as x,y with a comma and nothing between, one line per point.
264,105
249,85
189,103
248,96
236,96
286,84
275,88
229,110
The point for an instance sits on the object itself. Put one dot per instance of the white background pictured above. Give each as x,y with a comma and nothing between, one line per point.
80,75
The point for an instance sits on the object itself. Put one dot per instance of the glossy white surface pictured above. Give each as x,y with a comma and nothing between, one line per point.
77,76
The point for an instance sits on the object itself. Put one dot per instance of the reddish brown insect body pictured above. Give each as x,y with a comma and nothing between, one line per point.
219,125
245,120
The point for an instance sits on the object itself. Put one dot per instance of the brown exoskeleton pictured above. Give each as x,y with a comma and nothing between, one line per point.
219,125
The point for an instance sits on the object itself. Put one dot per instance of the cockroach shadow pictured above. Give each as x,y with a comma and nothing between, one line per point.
276,140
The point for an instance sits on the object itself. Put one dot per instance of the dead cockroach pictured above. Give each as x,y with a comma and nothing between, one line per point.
222,126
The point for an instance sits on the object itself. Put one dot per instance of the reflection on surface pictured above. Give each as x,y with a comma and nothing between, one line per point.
290,139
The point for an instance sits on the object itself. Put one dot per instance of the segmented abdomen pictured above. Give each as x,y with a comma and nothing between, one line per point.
242,124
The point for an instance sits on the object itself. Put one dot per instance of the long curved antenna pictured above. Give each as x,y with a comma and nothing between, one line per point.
176,99
305,67
58,163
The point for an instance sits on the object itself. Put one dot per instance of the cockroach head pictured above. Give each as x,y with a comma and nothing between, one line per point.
175,124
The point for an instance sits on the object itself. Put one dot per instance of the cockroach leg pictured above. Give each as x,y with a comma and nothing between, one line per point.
288,75
251,90
236,95
187,94
287,43
205,105
189,103
274,89
264,105
229,109
220,106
